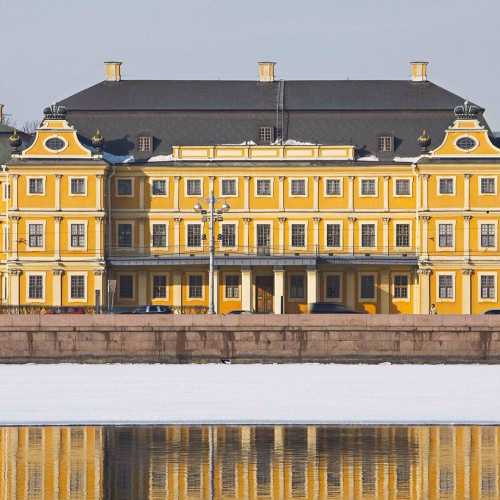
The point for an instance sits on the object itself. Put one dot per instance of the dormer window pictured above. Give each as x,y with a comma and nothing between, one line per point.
266,135
144,144
385,143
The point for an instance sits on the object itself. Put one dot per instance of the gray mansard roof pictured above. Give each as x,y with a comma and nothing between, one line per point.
231,112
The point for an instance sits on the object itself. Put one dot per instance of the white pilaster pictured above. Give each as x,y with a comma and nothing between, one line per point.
14,220
141,244
281,193
246,289
279,290
141,193
316,221
142,288
350,289
467,219
350,235
211,183
385,234
57,237
246,193
14,286
466,291
98,237
177,234
425,237
386,192
246,234
312,287
425,289
385,289
57,287
98,192
176,192
467,191
281,243
216,291
350,192
15,191
316,193
177,290
58,191
99,285
425,191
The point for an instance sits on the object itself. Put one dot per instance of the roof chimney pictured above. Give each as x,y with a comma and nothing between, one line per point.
419,71
112,70
266,71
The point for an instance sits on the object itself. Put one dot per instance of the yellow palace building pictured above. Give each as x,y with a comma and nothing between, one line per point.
380,195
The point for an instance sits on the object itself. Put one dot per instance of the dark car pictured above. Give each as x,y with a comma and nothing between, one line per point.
330,308
239,311
492,311
153,310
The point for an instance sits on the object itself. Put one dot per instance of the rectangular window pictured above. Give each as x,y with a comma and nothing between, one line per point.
333,286
333,187
159,286
445,286
446,185
488,185
297,286
126,286
368,235
232,286
488,236
125,235
368,187
266,135
124,187
35,185
488,286
195,286
35,286
144,144
193,187
228,187
446,235
401,286
298,235
6,191
298,187
333,235
194,235
264,187
402,235
228,235
263,238
77,235
77,185
77,285
403,187
159,235
35,235
385,143
367,286
159,187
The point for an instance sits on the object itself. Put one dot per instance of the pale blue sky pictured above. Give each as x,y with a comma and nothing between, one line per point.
53,48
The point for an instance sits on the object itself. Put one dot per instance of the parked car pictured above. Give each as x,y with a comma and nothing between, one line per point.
238,311
492,311
330,308
66,310
153,310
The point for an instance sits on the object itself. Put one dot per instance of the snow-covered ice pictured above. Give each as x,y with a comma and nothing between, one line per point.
309,393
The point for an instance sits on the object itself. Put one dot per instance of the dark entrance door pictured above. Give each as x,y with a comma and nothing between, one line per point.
264,288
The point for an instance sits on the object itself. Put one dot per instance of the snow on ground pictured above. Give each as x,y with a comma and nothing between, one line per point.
309,393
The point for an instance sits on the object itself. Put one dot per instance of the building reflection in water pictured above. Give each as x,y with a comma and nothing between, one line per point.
230,462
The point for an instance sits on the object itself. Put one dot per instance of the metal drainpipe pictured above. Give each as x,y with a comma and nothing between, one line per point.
110,228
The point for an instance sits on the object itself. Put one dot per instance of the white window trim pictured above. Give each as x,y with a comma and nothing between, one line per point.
236,179
306,187
236,234
325,233
341,294
186,179
85,223
6,191
195,299
132,180
289,286
71,178
370,300
271,181
44,235
152,179
158,222
481,223
5,235
167,285
438,183
306,234
486,273
479,179
192,223
35,273
43,185
410,239
231,273
361,179
85,284
360,233
134,281
394,191
393,286
124,249
453,281
436,238
326,195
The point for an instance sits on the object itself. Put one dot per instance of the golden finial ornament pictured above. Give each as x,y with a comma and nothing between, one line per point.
98,141
424,140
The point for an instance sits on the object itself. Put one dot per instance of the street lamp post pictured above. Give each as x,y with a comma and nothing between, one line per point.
211,215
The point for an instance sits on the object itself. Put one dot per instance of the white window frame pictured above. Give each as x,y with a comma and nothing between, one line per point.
73,177
236,229
410,184
446,273
194,299
479,180
132,181
297,222
124,249
361,179
360,230
480,224
290,274
375,286
192,223
410,238
341,289
341,185
393,286
164,179
44,236
271,233
186,179
70,246
85,284
325,229
486,273
224,295
436,237
43,274
167,284
306,187
235,179
134,287
6,191
271,183
438,185
5,235
44,187
155,222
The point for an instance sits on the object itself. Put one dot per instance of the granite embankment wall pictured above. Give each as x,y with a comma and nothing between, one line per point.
258,338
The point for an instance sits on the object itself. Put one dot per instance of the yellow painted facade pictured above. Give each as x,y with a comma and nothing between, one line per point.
306,223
